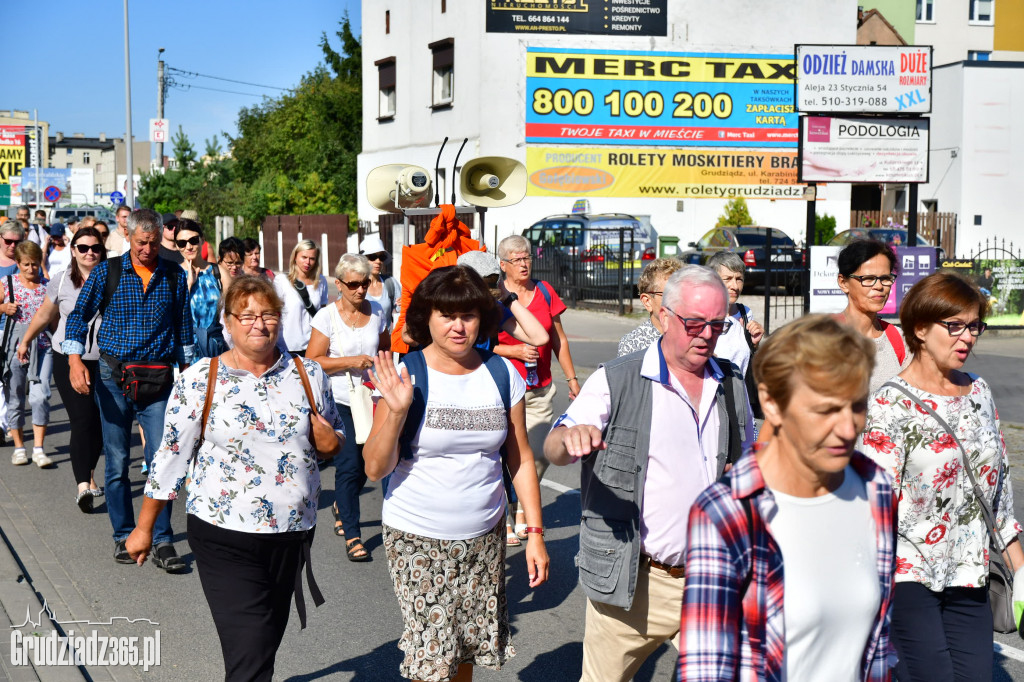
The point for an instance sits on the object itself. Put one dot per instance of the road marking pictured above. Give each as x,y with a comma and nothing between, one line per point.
1008,651
559,487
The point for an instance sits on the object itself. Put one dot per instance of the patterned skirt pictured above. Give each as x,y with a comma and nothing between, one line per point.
452,595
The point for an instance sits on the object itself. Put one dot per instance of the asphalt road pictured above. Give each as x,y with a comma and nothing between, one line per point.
65,558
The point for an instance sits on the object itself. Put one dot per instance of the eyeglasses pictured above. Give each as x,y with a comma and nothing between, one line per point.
231,263
248,319
956,328
98,249
654,293
9,242
695,326
871,280
191,241
518,261
375,256
352,286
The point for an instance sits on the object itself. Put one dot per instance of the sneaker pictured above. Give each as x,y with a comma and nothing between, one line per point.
165,557
84,501
41,459
145,468
121,554
19,457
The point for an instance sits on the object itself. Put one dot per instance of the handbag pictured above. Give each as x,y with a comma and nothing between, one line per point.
142,381
1000,577
326,445
361,405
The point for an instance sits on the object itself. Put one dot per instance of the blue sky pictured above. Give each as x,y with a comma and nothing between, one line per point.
71,63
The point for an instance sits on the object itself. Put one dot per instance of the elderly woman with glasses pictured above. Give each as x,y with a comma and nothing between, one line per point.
935,429
867,271
534,362
345,339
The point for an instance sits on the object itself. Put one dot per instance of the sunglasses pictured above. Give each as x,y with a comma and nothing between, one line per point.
12,241
98,249
376,256
191,241
352,286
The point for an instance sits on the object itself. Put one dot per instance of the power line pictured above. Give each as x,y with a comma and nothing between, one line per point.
193,74
189,86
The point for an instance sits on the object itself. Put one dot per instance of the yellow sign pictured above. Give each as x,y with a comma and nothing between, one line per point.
12,160
662,173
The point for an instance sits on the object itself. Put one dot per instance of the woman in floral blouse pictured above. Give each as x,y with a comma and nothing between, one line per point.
942,623
253,478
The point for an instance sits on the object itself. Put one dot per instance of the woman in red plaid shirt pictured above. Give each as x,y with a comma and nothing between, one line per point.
789,564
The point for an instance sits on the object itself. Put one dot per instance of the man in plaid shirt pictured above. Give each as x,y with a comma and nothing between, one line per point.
148,319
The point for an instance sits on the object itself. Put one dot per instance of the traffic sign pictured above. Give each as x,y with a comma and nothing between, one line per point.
158,128
51,194
116,197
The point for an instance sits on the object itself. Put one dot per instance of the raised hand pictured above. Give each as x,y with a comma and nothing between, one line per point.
395,389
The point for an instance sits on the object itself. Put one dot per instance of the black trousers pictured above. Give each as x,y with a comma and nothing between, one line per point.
942,636
249,580
84,417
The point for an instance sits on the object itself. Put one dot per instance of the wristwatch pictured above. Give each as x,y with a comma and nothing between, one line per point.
510,299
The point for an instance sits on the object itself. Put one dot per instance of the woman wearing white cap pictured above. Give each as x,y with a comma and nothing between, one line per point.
384,289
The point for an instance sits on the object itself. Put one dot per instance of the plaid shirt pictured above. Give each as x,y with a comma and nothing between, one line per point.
731,635
155,324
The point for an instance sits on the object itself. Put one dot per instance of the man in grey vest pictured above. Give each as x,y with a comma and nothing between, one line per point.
653,429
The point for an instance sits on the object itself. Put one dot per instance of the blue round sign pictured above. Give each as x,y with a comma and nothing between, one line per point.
116,197
51,194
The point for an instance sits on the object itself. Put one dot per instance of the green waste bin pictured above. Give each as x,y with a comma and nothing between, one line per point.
668,247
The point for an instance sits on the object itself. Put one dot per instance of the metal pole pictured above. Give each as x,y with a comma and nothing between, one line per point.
129,190
912,219
39,152
808,243
160,104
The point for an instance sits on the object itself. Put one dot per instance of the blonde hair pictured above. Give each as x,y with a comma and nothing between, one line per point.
828,356
30,250
304,245
657,269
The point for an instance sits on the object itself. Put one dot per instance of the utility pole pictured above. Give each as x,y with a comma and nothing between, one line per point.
160,89
129,190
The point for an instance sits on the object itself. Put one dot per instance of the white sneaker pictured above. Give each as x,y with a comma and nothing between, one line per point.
19,457
40,458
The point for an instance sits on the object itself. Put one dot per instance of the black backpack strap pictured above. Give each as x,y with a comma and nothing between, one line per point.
748,378
304,295
114,268
735,438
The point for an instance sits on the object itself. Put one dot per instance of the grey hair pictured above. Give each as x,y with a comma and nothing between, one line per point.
515,243
13,227
730,260
692,277
352,262
144,219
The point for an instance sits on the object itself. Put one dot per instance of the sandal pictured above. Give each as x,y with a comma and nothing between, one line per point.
338,529
355,550
511,540
521,527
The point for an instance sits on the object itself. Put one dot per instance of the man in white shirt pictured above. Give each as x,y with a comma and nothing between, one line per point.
639,480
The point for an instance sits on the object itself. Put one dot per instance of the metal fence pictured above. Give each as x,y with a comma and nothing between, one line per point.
937,228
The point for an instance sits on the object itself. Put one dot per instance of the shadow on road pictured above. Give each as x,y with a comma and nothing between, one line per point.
379,664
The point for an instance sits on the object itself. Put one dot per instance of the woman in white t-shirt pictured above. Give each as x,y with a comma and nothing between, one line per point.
444,506
346,336
304,292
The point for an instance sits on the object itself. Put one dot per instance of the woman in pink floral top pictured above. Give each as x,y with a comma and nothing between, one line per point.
29,292
942,623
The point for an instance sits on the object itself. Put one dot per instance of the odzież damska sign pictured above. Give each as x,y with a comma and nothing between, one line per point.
593,17
863,79
863,149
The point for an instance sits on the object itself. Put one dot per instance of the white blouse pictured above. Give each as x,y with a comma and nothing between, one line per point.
348,341
296,323
256,471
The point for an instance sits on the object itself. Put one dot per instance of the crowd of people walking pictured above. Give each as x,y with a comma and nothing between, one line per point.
824,502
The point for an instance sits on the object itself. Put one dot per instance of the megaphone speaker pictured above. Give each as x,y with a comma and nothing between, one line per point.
397,186
493,181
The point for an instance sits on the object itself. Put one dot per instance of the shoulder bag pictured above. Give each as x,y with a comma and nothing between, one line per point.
1000,578
303,292
748,377
360,402
326,445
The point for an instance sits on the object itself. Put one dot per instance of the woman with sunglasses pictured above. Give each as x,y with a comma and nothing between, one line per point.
867,272
87,250
188,237
384,289
345,339
923,427
11,234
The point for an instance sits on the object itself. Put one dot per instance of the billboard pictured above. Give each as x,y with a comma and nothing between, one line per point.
659,98
914,263
878,79
29,189
12,159
593,17
1001,281
662,173
863,149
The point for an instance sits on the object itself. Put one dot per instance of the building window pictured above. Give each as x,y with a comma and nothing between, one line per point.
85,157
925,11
981,11
70,151
444,72
99,167
387,21
978,55
99,189
386,86
444,6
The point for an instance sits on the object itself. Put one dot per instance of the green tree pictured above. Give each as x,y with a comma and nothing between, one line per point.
824,228
735,214
213,148
184,152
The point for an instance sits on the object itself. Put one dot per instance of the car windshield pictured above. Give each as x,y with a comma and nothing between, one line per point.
757,238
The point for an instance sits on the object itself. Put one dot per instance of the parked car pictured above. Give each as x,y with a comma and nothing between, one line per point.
893,236
787,259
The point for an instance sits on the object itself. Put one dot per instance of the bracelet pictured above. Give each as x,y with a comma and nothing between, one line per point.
572,379
533,530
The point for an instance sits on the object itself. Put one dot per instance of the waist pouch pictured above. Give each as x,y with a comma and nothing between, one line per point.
141,381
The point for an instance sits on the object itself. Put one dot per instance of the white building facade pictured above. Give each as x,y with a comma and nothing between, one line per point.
431,70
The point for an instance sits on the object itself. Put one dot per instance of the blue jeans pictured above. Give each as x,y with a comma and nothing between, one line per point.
349,476
116,416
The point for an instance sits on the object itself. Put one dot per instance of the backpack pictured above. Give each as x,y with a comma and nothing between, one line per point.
210,341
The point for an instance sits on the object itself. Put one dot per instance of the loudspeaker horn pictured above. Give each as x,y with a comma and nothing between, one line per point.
493,181
410,184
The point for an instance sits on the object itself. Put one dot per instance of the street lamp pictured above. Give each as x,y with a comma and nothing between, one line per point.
129,190
160,104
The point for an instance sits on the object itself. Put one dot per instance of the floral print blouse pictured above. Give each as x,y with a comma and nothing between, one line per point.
942,538
256,471
29,301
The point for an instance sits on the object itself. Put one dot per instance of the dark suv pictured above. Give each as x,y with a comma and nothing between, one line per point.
787,260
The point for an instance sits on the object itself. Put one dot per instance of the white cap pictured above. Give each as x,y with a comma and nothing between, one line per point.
372,244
